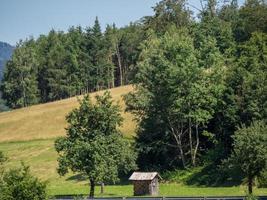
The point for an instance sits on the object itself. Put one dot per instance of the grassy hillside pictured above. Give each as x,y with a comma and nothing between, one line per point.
47,121
28,135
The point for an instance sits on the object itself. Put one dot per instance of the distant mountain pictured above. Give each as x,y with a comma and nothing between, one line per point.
6,51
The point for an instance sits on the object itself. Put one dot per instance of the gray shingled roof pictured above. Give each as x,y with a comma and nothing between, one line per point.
142,176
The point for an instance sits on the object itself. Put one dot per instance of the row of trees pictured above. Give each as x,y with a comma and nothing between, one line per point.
197,82
95,147
61,65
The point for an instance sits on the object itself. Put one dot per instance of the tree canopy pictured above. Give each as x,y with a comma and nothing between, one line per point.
196,78
250,151
93,145
19,183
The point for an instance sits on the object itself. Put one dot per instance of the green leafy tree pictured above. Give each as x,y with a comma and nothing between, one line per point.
253,18
19,184
168,13
130,46
2,158
250,151
20,86
2,162
247,80
175,99
113,36
3,106
57,83
93,145
74,60
99,48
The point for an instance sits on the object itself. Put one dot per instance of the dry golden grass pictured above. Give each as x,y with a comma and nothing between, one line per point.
46,121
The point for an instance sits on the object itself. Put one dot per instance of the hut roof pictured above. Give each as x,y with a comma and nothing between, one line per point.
142,176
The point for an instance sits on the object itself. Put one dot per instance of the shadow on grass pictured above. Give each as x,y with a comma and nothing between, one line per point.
81,177
206,176
77,178
212,176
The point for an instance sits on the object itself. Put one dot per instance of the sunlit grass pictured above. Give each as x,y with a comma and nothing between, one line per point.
41,157
28,135
46,121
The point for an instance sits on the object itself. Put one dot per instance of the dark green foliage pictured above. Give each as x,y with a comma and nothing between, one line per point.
61,65
195,81
168,13
129,48
175,99
251,17
3,106
93,145
19,85
98,48
249,153
262,179
245,97
219,91
2,158
219,30
19,184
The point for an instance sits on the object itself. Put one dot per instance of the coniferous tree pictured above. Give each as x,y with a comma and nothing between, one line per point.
19,85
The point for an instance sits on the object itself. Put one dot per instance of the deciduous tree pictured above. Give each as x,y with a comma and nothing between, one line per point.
250,151
93,145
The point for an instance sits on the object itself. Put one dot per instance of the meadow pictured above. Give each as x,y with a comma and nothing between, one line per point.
27,135
47,120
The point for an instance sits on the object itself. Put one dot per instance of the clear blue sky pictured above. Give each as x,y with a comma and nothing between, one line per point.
20,19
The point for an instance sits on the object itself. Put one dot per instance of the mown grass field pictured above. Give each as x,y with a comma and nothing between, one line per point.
28,135
47,121
41,156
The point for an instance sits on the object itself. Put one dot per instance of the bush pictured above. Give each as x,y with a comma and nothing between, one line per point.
262,179
2,158
19,184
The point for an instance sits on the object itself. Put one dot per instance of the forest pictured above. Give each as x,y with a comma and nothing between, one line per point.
199,80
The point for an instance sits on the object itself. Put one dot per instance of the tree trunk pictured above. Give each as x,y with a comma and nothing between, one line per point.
196,147
119,63
250,184
92,189
23,91
190,141
102,188
178,139
181,152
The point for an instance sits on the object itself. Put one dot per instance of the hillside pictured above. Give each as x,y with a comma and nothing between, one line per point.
6,51
46,121
28,135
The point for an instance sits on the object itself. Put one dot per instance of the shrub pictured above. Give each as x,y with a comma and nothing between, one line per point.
19,184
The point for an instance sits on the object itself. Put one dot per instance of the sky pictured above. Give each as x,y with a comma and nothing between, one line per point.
20,19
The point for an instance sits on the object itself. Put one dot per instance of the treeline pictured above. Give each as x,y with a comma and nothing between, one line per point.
197,82
60,65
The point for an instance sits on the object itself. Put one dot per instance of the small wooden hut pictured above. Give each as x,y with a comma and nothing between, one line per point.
145,183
